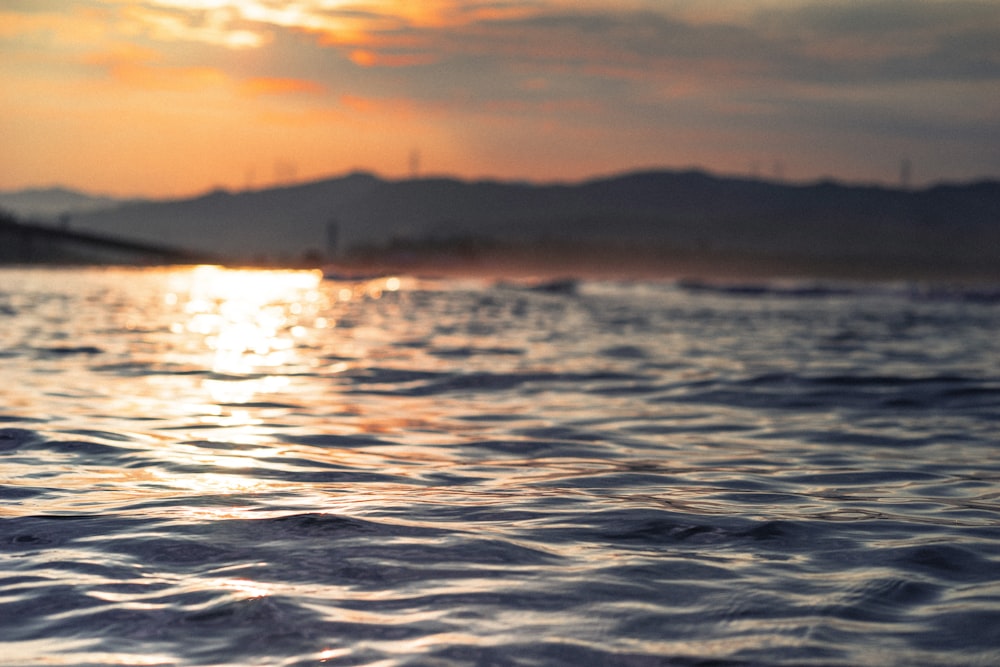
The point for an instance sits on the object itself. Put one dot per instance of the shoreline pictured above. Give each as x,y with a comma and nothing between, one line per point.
536,265
619,264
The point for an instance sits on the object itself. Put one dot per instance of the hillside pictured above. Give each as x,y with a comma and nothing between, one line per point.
51,203
659,215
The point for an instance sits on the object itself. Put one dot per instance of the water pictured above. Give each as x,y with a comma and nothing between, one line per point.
210,467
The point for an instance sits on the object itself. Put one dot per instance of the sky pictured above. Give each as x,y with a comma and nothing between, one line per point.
168,98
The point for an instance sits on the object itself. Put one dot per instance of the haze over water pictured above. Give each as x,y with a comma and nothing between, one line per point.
206,466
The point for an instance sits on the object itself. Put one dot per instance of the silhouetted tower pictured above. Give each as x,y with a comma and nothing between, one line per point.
414,163
905,173
285,172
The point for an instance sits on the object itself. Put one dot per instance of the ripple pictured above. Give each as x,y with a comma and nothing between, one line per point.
590,473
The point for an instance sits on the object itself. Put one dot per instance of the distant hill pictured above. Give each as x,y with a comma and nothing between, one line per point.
51,203
655,216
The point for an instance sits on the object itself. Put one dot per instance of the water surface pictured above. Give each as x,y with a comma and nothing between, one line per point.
213,467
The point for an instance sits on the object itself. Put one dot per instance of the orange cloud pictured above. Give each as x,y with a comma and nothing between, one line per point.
367,58
397,25
136,67
281,86
443,13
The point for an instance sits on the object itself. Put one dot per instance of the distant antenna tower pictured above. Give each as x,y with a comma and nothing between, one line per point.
779,170
284,172
905,173
414,163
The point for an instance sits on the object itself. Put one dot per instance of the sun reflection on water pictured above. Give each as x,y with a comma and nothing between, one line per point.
219,361
248,320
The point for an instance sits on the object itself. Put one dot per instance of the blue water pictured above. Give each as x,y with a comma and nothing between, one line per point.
211,467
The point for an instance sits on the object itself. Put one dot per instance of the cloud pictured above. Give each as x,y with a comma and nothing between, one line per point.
368,58
715,43
886,40
279,86
668,65
220,26
646,75
839,41
141,68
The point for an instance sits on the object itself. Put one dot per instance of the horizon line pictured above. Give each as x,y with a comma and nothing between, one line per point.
601,176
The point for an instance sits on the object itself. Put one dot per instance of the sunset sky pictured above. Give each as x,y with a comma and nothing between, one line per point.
175,97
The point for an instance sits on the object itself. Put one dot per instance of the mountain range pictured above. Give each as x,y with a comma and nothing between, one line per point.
48,203
649,216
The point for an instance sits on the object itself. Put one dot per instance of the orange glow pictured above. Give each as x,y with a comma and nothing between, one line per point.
277,86
454,12
71,27
175,97
366,58
136,67
368,105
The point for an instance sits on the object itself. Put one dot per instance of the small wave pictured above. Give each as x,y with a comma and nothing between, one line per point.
467,352
800,290
946,562
16,438
790,391
68,350
624,352
887,600
561,286
631,473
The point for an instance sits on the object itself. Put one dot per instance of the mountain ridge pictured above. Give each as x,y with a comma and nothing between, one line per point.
54,202
665,213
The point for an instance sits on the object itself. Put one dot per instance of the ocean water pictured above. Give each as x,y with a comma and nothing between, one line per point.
202,466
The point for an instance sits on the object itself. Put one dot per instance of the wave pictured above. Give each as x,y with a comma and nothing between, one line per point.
620,473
